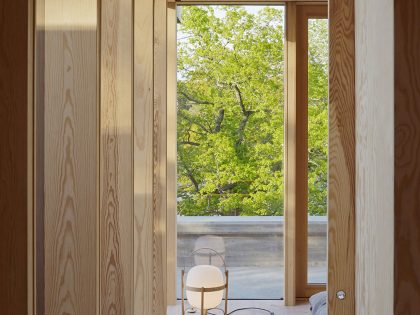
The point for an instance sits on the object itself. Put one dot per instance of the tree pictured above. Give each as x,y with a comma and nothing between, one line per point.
230,108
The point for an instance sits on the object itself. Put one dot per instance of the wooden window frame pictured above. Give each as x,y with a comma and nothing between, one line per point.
296,143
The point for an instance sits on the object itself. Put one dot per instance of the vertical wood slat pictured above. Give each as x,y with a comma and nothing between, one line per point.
171,177
39,160
341,194
407,156
290,155
374,157
143,157
116,171
301,210
71,177
159,157
31,160
15,155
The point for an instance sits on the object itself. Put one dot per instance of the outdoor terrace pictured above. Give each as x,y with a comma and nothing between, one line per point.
253,251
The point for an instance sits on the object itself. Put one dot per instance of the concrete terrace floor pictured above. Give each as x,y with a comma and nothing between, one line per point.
258,282
253,251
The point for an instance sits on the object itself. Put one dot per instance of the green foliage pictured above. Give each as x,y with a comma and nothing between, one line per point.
318,116
230,113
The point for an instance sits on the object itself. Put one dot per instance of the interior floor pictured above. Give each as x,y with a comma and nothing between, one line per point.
276,306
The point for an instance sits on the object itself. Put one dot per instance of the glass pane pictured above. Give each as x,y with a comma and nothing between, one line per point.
230,143
318,149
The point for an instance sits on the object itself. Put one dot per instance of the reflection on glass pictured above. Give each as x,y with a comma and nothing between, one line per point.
318,149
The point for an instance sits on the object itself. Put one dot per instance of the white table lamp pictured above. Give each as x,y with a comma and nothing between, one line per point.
204,287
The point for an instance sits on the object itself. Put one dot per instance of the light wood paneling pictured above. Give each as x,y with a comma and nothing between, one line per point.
407,157
341,192
374,157
116,171
159,157
290,158
143,157
71,176
15,157
171,177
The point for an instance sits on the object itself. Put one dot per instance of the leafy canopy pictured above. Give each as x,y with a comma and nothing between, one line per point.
230,107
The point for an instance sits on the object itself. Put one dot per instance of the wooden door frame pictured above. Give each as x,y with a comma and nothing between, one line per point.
341,196
153,238
153,159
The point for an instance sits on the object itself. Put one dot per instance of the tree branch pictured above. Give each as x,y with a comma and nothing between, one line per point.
241,129
226,187
193,180
239,98
245,113
194,122
219,120
190,143
194,100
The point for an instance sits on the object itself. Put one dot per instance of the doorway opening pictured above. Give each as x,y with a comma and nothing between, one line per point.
231,127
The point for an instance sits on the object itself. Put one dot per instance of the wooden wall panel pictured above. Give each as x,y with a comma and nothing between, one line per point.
374,157
116,156
171,177
150,151
71,157
407,157
39,160
143,157
15,154
341,194
159,157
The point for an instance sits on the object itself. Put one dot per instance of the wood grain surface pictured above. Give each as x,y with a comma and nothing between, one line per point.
116,157
374,157
143,157
159,157
71,157
171,178
39,152
301,232
290,154
407,157
14,109
341,192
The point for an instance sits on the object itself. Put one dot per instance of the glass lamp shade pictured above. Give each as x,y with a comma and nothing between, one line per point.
205,276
